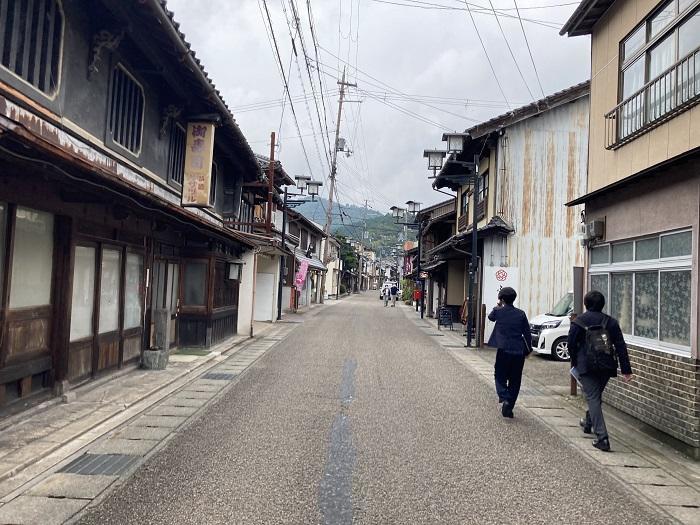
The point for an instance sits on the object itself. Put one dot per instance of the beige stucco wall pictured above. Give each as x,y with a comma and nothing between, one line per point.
673,138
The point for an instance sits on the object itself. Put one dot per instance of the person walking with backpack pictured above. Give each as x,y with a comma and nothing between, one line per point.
595,345
511,336
394,292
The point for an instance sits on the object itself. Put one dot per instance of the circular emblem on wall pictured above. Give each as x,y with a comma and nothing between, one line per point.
501,275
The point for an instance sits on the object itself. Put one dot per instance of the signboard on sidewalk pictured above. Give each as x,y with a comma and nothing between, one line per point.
496,278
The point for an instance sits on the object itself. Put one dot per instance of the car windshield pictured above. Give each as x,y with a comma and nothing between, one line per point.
563,307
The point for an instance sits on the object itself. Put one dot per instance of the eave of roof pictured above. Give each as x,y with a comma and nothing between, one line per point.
585,16
530,110
282,178
191,63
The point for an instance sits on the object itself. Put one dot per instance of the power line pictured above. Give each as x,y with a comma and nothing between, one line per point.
286,85
482,10
527,43
483,46
510,50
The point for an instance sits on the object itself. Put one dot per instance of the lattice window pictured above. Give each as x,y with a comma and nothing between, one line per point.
126,107
176,153
30,41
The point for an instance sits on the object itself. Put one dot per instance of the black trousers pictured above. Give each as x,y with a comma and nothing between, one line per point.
508,373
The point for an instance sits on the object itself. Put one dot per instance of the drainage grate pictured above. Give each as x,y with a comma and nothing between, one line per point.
220,376
435,335
100,464
453,346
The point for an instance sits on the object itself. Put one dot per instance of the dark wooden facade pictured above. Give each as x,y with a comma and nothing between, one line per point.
93,239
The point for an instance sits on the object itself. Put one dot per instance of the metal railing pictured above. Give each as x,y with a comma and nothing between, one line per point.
672,92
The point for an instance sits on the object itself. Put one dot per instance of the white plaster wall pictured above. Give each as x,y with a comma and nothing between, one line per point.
245,293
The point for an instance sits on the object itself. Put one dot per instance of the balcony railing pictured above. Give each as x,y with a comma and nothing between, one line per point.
672,92
462,222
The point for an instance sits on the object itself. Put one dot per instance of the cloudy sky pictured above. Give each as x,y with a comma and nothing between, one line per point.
419,67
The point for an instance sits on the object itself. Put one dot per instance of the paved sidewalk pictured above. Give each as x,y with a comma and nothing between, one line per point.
111,425
652,469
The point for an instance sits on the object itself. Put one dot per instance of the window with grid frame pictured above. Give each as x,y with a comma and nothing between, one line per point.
648,287
126,110
667,36
31,41
176,153
483,188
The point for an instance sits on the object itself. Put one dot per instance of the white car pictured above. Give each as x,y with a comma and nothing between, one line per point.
550,331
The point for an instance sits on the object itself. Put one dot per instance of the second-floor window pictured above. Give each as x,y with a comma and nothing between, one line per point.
483,188
212,186
464,203
176,154
31,37
669,37
126,107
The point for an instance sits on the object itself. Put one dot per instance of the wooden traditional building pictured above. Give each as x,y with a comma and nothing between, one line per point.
99,102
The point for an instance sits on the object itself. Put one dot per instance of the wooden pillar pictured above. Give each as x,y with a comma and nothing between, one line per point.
62,295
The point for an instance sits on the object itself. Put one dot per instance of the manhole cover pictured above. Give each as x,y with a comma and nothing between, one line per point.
219,376
100,464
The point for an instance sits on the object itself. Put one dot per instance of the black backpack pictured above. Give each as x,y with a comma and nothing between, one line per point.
600,353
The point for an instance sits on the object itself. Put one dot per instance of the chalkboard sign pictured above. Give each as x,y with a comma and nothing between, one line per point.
445,317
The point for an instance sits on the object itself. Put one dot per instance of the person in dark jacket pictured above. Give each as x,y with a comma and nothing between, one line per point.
511,336
594,381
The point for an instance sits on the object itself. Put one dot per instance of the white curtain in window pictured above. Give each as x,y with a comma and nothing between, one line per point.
110,285
133,291
83,301
32,260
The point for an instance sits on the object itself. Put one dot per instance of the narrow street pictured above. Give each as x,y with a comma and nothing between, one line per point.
359,416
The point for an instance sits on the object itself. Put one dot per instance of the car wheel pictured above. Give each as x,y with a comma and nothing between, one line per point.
560,350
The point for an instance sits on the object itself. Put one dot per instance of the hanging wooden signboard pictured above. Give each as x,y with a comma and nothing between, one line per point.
199,152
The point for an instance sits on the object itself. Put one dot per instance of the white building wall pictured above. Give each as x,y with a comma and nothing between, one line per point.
268,272
245,294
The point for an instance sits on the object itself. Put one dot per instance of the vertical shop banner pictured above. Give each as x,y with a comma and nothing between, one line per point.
300,277
199,152
496,278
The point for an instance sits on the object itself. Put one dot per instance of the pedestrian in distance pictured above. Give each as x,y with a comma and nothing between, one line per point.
511,336
385,296
595,345
394,291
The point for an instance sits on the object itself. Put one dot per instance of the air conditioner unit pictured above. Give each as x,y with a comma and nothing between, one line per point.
595,229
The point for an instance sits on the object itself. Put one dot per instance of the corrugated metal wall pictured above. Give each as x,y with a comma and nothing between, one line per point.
542,164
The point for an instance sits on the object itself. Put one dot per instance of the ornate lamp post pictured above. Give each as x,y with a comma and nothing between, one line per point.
455,146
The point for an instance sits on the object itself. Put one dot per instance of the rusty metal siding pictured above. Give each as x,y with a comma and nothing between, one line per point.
542,163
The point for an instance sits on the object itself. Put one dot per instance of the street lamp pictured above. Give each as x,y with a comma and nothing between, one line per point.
456,146
411,211
312,187
304,182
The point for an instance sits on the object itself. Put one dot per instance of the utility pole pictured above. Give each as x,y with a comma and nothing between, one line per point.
331,189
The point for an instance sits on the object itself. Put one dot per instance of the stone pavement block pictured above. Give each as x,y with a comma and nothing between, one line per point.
117,445
193,394
39,510
200,386
165,410
539,402
75,486
561,421
178,401
31,451
571,432
619,459
670,495
686,515
586,443
645,476
550,412
155,433
159,421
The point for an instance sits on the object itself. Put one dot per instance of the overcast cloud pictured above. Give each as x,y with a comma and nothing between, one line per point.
423,52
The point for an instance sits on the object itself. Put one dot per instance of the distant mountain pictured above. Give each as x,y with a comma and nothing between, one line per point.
342,213
348,220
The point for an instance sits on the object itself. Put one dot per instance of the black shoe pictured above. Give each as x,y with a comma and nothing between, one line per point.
586,426
501,400
602,444
507,409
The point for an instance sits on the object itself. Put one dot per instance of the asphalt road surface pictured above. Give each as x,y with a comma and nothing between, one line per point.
360,417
